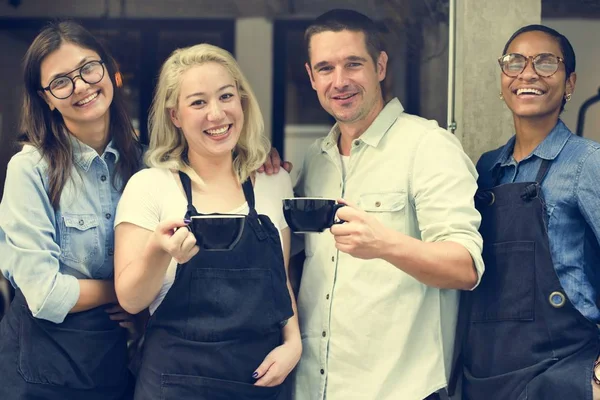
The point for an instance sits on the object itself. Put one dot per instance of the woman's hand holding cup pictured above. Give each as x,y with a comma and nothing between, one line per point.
178,243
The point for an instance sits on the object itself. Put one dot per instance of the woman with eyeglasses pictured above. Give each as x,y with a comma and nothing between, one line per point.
529,330
64,335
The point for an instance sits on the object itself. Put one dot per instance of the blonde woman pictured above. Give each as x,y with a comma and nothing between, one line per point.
223,323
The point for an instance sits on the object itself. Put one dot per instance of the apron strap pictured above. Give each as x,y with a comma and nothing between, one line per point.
249,195
542,171
496,175
186,182
256,222
532,191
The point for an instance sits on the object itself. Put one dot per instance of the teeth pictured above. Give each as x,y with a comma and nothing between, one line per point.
529,91
217,132
87,99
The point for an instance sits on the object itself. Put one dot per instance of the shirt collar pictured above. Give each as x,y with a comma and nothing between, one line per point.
547,150
375,132
84,155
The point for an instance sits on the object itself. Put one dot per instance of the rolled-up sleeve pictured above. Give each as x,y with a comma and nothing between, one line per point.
28,245
444,182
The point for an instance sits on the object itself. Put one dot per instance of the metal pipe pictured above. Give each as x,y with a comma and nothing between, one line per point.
451,123
582,111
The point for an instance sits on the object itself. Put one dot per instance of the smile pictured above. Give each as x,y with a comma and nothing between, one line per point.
529,91
344,96
88,99
220,131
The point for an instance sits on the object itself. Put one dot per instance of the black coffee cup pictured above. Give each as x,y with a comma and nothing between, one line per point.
215,232
310,214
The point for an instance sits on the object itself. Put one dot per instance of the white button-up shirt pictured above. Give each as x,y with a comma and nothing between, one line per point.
369,330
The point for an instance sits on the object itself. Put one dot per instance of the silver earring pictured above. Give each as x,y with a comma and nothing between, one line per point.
500,96
568,96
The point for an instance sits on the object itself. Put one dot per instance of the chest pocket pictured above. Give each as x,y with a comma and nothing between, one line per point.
80,238
388,207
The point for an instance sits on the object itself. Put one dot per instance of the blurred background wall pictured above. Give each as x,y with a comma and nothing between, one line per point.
266,38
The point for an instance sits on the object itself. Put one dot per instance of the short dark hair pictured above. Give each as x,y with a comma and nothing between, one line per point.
338,20
563,42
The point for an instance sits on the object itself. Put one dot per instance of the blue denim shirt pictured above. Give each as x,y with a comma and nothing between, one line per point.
44,251
571,191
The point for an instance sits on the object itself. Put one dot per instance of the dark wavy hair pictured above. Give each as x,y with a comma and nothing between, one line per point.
563,42
46,130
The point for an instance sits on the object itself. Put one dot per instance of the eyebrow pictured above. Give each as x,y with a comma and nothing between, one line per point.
349,58
202,93
83,61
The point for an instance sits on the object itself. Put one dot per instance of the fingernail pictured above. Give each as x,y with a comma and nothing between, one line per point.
254,375
186,221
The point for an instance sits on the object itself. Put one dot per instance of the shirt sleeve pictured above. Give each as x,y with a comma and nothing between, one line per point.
443,186
28,245
297,240
139,204
299,185
587,191
283,190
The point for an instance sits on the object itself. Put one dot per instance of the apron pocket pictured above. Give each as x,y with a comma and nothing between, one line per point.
176,387
507,289
233,302
78,359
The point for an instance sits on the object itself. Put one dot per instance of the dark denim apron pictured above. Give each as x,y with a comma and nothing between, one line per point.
220,319
82,358
523,338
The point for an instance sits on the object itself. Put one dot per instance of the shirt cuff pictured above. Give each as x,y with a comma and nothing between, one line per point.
62,298
475,252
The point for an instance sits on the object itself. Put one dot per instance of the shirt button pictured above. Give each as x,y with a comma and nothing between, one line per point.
111,252
322,371
103,178
324,333
377,204
108,215
81,222
333,259
356,142
327,297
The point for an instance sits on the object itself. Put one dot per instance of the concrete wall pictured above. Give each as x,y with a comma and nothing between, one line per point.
483,27
580,33
254,53
434,74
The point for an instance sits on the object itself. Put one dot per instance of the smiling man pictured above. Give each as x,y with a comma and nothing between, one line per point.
378,295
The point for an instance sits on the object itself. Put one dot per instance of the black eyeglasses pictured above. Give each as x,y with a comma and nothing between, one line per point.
63,86
544,64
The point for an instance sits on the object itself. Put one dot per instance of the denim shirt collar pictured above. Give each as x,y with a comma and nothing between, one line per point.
375,132
84,155
549,149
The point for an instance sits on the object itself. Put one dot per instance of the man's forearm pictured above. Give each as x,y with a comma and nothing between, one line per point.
445,265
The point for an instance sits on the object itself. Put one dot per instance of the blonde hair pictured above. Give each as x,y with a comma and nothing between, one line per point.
168,147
